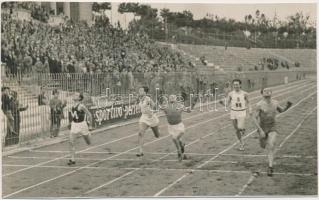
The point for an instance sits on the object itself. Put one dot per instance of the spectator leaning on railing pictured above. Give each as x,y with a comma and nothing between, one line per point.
6,99
56,107
16,108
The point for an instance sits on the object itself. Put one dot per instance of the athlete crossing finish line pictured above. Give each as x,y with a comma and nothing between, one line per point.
265,120
79,118
176,128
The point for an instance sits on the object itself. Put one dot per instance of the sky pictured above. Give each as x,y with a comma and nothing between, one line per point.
237,9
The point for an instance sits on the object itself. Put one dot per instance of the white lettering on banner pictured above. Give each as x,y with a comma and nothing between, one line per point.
106,114
104,101
130,110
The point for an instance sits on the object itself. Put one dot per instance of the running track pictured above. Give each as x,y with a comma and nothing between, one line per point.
109,168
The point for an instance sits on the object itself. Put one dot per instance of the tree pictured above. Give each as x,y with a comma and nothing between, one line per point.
98,7
164,12
298,22
105,6
145,11
128,7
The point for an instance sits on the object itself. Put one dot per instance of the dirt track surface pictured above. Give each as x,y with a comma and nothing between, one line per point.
109,168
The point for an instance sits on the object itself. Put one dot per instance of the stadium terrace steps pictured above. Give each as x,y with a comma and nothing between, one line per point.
235,57
306,57
227,60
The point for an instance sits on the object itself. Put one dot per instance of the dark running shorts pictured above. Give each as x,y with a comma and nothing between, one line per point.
267,128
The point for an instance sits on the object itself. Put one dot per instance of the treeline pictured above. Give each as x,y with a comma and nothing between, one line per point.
256,29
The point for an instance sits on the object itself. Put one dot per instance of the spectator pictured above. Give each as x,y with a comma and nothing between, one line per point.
46,68
130,79
38,66
56,108
6,99
83,44
43,103
16,109
42,98
27,64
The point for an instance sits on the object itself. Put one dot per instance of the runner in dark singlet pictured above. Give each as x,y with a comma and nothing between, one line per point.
79,117
265,120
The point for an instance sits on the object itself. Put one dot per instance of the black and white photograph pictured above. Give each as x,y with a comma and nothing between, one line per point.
151,99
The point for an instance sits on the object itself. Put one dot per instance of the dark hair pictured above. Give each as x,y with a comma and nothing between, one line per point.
55,91
146,89
81,97
14,94
237,80
262,90
4,88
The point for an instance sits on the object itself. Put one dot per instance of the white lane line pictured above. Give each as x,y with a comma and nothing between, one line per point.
188,153
294,86
195,141
169,169
65,174
256,129
205,104
138,160
159,159
93,147
62,157
253,177
96,146
225,150
294,131
110,182
264,155
250,180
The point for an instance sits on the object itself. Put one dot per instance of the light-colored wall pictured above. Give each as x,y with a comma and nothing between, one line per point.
85,10
66,9
53,6
116,17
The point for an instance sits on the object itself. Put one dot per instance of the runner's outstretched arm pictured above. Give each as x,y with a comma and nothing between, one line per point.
281,109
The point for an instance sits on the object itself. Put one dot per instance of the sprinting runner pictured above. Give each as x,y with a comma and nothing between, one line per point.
238,102
176,129
148,118
264,119
79,117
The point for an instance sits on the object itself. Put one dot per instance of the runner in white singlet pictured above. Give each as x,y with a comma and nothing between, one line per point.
239,103
148,118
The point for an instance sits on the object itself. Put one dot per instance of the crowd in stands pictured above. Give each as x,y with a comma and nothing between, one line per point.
272,64
37,12
32,46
